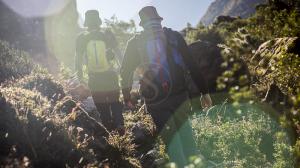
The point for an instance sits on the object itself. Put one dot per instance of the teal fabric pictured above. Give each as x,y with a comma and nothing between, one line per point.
182,145
171,118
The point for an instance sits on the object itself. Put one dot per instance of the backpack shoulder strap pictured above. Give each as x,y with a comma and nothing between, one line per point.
139,39
173,46
172,38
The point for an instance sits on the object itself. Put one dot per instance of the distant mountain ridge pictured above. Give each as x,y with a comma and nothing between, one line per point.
242,8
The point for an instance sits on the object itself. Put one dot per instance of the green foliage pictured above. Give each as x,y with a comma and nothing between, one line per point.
44,83
58,133
204,34
11,57
269,23
31,131
140,117
40,124
121,29
236,135
121,151
249,78
25,101
244,139
283,151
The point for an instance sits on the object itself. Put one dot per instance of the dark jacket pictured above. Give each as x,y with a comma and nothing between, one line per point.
133,58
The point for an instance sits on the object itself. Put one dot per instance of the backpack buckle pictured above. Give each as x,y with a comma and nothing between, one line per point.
165,87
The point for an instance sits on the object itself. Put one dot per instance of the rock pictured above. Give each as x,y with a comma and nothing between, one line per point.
140,133
81,118
150,160
222,19
236,8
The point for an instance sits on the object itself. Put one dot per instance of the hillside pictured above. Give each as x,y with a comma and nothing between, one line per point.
252,65
260,64
242,8
41,35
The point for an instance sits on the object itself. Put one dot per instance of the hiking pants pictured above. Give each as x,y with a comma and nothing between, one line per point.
171,119
105,91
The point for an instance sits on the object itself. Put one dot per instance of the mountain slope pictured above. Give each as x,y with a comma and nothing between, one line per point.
242,8
47,37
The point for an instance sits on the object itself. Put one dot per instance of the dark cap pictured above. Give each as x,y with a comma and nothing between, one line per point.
148,13
92,18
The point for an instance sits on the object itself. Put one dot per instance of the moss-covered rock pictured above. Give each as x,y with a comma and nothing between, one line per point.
43,83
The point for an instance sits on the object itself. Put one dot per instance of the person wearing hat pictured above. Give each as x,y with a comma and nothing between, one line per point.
98,50
162,57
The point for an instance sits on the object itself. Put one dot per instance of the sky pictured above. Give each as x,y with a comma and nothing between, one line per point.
176,13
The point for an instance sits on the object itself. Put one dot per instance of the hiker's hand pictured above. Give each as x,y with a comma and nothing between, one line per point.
129,104
83,84
206,101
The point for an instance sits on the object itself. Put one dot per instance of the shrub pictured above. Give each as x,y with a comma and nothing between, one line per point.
14,63
245,138
44,83
30,132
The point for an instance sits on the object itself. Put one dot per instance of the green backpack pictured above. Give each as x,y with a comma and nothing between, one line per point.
96,56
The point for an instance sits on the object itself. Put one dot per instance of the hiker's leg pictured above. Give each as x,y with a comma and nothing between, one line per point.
187,139
166,128
107,91
105,115
103,108
117,117
185,132
112,92
173,143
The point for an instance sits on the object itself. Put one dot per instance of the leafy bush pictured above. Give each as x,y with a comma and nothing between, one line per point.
38,132
30,132
11,57
26,101
121,151
245,138
274,77
270,22
44,83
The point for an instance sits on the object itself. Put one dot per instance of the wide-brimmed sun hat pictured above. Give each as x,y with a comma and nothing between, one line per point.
148,13
92,18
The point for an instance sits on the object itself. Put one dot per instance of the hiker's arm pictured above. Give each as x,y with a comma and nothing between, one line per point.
195,72
79,59
129,64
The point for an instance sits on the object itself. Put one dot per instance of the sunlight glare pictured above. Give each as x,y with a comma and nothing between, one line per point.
36,8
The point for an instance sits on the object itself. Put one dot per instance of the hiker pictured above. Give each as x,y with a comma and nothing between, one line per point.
162,59
98,49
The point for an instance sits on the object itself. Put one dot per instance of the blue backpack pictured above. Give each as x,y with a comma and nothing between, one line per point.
162,63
